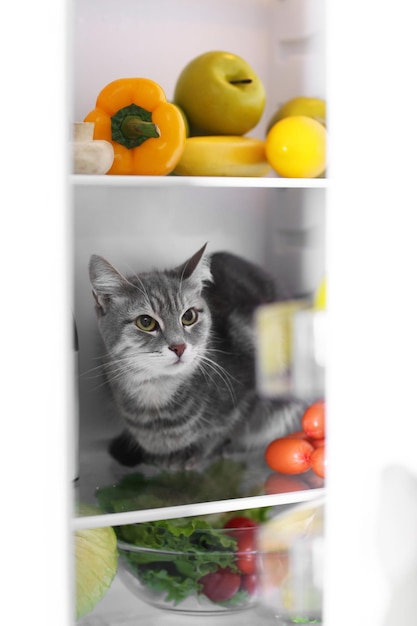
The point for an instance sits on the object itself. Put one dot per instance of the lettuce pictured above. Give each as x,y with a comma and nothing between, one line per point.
187,548
177,553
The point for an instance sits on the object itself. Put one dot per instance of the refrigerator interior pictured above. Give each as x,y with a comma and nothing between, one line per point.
138,224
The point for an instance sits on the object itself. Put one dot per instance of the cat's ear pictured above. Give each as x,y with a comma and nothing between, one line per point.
105,279
197,267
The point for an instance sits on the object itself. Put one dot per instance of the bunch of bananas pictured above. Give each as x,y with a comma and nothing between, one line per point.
223,155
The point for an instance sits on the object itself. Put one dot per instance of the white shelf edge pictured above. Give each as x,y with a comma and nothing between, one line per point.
189,510
81,180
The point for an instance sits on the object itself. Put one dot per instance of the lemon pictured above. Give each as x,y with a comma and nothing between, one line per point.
295,147
310,107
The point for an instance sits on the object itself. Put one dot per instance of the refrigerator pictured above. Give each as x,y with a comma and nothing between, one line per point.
353,226
138,222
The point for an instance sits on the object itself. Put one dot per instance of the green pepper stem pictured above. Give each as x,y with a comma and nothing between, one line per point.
132,125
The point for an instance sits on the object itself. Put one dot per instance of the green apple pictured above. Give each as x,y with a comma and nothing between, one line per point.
220,94
301,105
184,117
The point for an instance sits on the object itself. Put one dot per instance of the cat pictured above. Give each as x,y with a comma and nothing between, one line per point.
180,360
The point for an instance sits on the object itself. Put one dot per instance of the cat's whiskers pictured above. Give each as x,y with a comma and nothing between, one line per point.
101,385
207,350
221,372
98,368
206,375
102,372
106,361
93,372
114,373
112,368
226,352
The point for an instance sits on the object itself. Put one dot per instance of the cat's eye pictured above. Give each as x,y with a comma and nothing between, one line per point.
146,323
189,317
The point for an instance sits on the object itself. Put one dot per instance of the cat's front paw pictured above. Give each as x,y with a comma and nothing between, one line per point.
126,450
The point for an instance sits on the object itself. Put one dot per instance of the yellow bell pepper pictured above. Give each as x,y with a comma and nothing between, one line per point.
146,131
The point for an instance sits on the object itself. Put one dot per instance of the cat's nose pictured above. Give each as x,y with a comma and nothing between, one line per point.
178,349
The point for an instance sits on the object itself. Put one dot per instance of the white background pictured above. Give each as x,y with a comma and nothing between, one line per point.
371,260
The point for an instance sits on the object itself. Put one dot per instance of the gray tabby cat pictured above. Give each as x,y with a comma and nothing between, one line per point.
180,360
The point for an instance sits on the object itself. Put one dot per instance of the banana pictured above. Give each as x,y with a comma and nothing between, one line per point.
225,155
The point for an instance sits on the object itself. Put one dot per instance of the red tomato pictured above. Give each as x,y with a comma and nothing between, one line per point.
243,529
279,483
240,521
246,552
318,461
289,456
313,421
317,443
250,584
220,585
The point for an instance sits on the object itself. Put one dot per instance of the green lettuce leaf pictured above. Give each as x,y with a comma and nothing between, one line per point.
176,588
188,548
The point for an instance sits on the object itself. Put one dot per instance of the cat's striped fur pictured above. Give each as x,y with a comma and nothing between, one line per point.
180,360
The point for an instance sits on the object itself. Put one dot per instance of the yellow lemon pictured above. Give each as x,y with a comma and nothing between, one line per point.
295,147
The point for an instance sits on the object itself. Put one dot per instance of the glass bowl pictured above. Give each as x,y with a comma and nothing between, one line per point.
188,566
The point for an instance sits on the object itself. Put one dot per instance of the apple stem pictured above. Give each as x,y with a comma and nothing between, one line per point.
242,81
